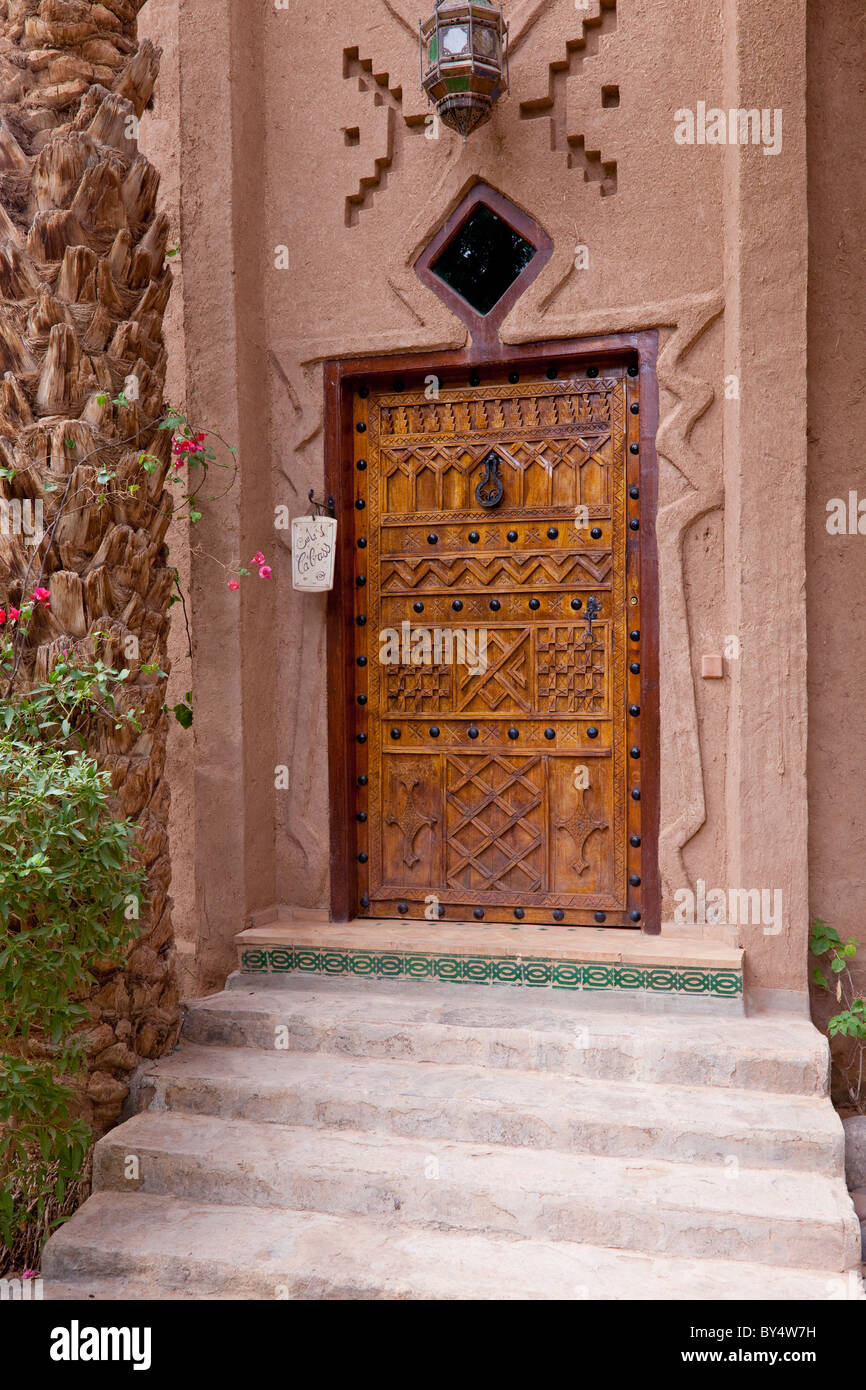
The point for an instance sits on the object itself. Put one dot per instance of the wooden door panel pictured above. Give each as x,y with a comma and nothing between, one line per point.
411,825
499,779
495,826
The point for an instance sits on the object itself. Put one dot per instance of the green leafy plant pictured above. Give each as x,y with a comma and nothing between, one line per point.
850,1022
70,900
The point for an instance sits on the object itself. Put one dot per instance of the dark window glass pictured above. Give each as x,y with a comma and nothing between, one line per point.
483,260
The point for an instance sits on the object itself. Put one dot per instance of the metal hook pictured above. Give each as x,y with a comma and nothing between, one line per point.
593,608
321,508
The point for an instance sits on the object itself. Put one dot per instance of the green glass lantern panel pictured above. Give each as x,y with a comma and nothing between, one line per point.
483,260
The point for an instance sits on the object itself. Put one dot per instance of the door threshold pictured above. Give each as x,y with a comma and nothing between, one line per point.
413,941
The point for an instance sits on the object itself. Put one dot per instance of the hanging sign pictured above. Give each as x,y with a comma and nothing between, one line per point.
314,547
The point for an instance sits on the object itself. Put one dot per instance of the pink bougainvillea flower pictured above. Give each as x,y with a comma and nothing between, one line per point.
258,558
2,616
182,445
234,584
14,614
42,596
30,1274
264,572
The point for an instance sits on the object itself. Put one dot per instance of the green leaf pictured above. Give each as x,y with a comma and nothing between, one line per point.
183,715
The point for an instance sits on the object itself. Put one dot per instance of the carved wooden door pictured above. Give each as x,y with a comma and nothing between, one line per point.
498,784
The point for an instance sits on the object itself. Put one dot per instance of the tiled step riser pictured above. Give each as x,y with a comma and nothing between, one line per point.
433,1200
486,1122
663,972
572,1053
648,989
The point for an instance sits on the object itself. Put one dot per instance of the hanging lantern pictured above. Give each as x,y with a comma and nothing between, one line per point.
464,61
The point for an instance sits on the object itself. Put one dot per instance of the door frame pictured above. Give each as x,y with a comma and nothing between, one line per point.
342,377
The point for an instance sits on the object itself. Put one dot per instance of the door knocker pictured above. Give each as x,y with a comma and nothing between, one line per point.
489,491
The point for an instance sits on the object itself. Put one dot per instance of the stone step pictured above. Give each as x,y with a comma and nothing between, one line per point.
125,1246
482,1027
533,1110
769,1216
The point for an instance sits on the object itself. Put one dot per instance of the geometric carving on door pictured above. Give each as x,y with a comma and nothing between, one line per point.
410,819
580,824
405,575
571,670
507,677
495,824
418,689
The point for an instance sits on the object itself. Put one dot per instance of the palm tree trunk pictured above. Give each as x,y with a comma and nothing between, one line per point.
83,289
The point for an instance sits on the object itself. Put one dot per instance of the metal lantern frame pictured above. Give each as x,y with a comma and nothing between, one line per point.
465,86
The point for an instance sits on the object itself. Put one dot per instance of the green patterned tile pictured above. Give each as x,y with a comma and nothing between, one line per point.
420,967
254,960
506,972
528,972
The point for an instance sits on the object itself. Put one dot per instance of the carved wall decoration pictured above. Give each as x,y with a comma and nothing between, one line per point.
684,805
553,105
393,120
388,101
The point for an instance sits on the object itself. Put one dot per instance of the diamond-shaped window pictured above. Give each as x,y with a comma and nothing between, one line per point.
483,260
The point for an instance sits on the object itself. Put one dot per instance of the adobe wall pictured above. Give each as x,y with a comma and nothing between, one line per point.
160,139
311,135
836,573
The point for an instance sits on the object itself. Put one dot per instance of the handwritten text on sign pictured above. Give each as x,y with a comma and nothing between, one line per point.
314,545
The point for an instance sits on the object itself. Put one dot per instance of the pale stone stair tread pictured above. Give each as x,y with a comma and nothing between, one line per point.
782,1217
474,1024
378,1139
531,1109
124,1246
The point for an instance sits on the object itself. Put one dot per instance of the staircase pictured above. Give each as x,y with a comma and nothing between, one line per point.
343,1138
